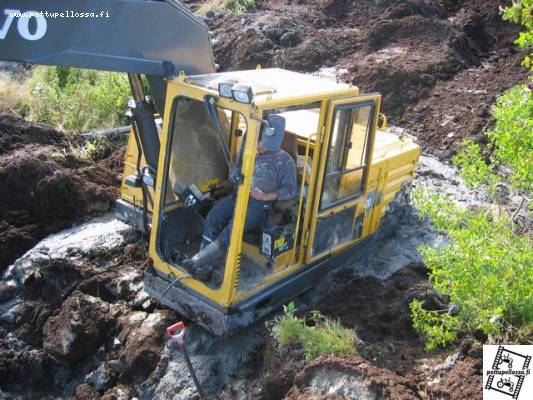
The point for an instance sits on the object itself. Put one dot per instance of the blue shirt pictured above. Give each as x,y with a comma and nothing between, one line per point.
275,171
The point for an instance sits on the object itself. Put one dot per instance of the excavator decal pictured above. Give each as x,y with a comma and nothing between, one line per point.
24,19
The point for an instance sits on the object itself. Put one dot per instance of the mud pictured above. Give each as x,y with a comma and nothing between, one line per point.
438,64
73,310
74,313
44,186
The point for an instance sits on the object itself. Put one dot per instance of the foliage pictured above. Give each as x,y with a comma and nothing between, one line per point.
235,6
14,97
512,136
473,168
521,12
439,327
241,5
70,99
77,100
95,149
485,270
512,141
323,337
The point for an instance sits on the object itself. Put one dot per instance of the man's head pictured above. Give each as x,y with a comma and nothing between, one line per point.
272,136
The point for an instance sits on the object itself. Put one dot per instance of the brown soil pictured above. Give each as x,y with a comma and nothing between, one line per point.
438,64
44,187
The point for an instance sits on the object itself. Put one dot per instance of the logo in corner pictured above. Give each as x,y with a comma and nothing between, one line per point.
506,372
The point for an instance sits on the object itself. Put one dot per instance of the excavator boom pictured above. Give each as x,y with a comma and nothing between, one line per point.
151,37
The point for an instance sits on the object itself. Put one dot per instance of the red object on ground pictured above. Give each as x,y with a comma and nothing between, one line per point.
179,326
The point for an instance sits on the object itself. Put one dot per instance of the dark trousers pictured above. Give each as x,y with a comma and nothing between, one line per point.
219,220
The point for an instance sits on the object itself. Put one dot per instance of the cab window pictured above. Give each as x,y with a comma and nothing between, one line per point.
347,153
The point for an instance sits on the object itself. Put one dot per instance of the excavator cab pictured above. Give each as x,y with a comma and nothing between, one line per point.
213,125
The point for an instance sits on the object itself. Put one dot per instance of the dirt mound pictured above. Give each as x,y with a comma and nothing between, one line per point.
15,133
411,51
142,339
451,385
79,328
44,187
74,319
392,362
379,313
460,107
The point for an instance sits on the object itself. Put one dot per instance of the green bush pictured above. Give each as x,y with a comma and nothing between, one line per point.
512,136
241,5
439,327
521,12
485,270
323,337
77,100
473,168
511,140
226,5
95,149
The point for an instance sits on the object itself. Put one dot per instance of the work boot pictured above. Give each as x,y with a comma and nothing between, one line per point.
204,256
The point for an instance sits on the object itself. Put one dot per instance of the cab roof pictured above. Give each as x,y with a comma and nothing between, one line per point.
276,84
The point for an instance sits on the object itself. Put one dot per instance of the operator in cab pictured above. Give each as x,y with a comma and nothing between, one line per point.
274,179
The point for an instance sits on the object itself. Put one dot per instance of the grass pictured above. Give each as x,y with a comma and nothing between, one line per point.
322,337
14,97
226,5
70,99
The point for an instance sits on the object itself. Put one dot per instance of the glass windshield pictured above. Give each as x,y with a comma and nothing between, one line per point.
196,174
196,153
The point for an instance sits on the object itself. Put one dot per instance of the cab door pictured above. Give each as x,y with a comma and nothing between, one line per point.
340,201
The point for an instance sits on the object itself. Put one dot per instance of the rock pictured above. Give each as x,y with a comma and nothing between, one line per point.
217,362
82,324
350,378
100,379
23,365
120,392
448,363
128,285
86,392
290,39
8,290
99,234
62,376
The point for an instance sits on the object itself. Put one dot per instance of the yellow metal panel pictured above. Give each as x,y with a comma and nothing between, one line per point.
128,193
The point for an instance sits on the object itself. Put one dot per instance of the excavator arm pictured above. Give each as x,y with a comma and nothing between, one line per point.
152,37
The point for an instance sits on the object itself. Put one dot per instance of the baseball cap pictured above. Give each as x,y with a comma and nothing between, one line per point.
272,137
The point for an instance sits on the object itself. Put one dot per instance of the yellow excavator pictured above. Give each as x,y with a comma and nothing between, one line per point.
199,130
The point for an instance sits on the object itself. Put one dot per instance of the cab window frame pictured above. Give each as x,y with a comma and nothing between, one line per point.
344,154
